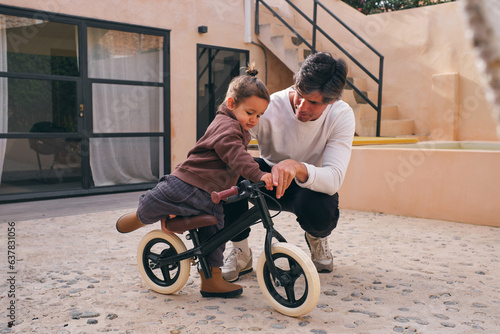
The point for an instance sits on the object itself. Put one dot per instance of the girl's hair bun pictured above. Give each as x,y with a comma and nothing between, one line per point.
244,86
251,70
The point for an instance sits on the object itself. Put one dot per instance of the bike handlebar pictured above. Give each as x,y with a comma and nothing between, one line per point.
224,195
234,193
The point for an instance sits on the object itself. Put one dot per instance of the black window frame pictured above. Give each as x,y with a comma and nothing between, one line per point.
84,84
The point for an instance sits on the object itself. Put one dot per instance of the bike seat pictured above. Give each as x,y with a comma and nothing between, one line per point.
183,224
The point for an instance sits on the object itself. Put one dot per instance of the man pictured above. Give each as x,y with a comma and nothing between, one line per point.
305,139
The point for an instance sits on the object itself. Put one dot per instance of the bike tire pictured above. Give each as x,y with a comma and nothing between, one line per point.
302,295
166,279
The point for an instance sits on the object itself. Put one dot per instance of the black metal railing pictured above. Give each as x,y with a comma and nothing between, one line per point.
312,47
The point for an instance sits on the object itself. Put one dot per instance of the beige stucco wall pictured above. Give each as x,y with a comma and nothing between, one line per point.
428,182
224,18
418,45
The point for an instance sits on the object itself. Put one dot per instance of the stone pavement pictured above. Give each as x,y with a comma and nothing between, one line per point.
76,274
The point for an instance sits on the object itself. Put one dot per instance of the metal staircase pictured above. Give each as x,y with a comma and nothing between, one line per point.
366,116
286,38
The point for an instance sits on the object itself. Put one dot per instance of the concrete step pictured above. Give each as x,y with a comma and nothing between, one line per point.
367,112
359,98
273,36
293,42
373,96
348,97
278,29
390,111
388,127
303,53
360,83
366,127
396,127
265,38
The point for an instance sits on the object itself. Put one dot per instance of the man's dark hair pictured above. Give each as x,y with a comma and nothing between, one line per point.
322,73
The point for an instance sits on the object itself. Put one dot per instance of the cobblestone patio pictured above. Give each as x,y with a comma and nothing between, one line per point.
76,274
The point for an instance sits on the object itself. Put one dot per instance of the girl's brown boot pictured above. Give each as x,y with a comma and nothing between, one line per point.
217,286
128,223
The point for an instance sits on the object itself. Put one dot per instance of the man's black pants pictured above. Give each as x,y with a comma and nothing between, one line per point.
317,213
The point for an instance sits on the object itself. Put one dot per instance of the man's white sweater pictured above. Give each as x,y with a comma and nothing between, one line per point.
323,145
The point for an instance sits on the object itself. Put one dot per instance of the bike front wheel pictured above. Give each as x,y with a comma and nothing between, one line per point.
166,279
301,292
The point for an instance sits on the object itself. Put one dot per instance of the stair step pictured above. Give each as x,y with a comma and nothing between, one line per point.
265,38
366,127
367,112
278,29
399,127
360,83
390,111
297,55
388,127
348,97
291,42
275,37
359,99
303,53
372,96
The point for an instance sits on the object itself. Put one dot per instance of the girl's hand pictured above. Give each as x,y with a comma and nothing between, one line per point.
268,179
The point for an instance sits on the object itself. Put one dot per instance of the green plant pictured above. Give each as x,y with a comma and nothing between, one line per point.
381,6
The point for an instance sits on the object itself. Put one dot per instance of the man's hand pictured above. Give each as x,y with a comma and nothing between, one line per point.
284,172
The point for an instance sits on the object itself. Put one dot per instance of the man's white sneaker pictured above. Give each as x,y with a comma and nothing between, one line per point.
237,263
320,253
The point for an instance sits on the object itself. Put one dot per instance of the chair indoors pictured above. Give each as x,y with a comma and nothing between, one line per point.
46,146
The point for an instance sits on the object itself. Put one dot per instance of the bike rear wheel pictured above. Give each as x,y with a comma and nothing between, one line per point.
165,279
301,294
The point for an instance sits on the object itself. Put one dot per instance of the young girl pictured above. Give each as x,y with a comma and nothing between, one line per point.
214,164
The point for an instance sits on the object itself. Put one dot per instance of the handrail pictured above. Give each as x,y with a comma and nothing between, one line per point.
378,80
349,28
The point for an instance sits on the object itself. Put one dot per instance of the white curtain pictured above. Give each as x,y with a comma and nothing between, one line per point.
124,160
123,108
4,117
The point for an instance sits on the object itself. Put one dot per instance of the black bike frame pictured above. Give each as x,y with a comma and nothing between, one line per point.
260,211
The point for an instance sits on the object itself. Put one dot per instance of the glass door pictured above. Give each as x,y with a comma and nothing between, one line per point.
40,127
216,68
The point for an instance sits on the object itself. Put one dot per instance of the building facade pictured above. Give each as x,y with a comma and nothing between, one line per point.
94,101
